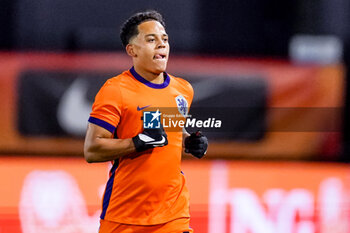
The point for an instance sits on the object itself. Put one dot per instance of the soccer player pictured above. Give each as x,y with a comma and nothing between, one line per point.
146,191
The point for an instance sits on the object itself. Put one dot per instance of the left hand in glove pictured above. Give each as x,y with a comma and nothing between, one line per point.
196,144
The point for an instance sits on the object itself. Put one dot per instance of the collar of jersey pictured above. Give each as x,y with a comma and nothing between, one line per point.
148,83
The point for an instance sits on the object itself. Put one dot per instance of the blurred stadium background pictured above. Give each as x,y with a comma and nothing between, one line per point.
274,71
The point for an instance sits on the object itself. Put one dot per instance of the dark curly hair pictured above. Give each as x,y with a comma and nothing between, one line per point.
129,28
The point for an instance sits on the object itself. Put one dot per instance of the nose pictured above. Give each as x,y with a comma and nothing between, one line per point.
161,44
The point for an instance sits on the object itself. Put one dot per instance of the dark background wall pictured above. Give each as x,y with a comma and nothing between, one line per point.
7,13
248,28
251,27
94,25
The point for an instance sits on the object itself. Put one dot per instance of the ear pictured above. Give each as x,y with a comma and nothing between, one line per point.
130,50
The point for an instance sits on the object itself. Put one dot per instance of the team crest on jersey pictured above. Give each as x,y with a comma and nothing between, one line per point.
182,105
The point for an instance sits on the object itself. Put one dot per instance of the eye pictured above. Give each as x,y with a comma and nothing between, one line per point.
151,40
165,39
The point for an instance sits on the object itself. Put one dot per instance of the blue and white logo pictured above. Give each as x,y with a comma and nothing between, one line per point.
182,105
151,119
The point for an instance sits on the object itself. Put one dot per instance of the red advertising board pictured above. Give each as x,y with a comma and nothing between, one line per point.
64,195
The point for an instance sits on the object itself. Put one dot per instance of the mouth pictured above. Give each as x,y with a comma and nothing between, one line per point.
159,56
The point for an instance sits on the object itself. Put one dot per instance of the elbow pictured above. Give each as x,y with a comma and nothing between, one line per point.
88,158
89,155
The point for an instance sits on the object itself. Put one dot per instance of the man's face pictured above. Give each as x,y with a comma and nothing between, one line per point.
151,47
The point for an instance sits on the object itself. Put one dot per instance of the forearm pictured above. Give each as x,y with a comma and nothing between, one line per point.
107,149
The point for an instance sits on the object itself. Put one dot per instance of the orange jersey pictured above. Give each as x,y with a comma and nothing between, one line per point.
180,225
144,188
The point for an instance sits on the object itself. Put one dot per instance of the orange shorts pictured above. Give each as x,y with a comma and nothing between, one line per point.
180,225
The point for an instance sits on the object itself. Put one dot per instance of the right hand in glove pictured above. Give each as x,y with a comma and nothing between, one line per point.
150,138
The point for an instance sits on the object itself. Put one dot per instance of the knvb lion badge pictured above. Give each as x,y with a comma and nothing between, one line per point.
182,105
151,119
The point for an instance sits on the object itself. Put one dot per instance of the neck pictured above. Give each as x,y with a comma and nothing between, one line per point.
157,78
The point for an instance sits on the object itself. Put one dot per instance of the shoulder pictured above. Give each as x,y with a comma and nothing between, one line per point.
183,87
181,83
118,81
111,89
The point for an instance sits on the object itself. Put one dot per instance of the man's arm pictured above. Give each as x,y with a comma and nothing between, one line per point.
99,145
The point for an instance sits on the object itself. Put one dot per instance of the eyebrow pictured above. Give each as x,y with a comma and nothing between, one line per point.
155,35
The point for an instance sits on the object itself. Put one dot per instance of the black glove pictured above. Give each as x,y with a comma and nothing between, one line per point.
150,138
196,144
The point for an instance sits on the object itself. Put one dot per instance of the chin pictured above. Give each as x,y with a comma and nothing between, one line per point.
160,69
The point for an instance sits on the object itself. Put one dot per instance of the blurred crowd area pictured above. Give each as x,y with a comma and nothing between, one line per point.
274,72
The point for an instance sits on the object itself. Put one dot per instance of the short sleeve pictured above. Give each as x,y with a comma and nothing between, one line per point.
106,110
190,94
187,90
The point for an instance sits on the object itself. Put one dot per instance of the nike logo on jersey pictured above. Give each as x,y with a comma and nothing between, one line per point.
139,109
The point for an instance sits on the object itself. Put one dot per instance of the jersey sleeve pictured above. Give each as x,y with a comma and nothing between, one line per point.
106,110
190,94
188,90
